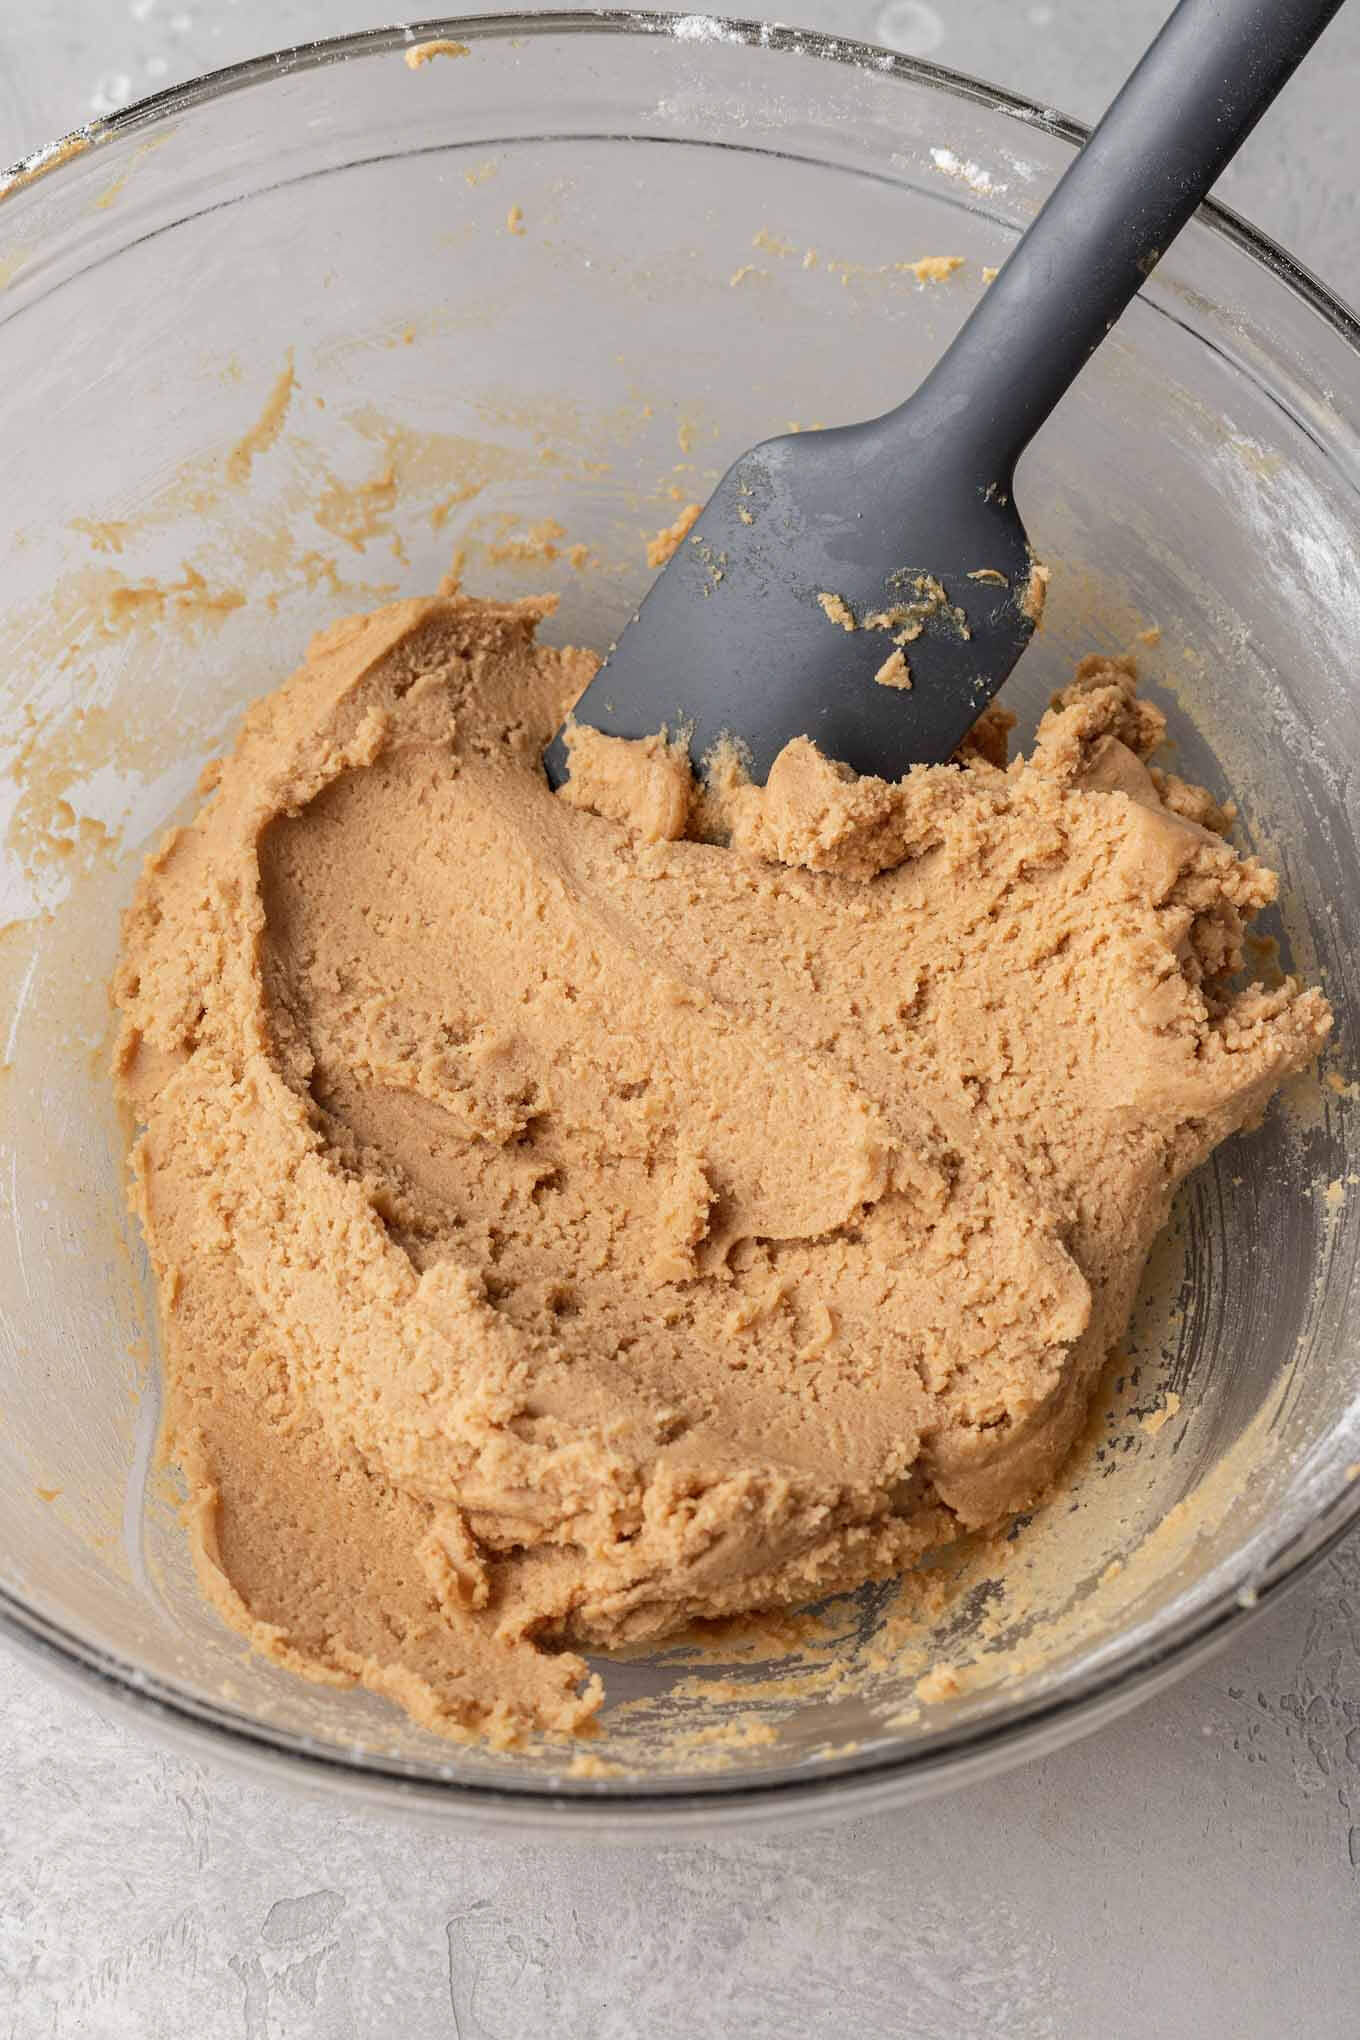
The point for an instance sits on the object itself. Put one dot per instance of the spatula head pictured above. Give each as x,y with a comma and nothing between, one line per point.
835,590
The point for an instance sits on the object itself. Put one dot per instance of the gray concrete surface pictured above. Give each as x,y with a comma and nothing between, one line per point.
1192,1871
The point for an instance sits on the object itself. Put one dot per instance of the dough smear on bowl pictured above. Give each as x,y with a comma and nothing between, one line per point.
567,1227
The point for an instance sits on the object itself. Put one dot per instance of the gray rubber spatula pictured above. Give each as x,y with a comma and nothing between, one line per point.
745,632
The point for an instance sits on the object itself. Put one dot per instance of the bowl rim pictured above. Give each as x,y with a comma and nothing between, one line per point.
1128,1672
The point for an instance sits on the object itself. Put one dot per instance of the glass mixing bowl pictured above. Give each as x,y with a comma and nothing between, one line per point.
296,333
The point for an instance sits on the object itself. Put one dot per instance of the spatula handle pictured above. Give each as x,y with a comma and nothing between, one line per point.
1194,98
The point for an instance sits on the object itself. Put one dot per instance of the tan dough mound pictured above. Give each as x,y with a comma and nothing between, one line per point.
565,1228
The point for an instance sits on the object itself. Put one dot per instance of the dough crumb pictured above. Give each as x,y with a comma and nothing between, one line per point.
935,268
667,542
908,619
894,672
1154,1421
539,542
426,52
514,220
587,1765
1193,803
1036,594
941,1682
837,610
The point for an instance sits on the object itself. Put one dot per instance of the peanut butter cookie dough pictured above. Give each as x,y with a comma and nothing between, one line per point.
566,1227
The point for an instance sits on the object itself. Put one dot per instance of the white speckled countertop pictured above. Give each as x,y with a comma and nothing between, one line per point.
1192,1871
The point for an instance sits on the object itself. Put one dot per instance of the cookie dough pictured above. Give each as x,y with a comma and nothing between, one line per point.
566,1227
